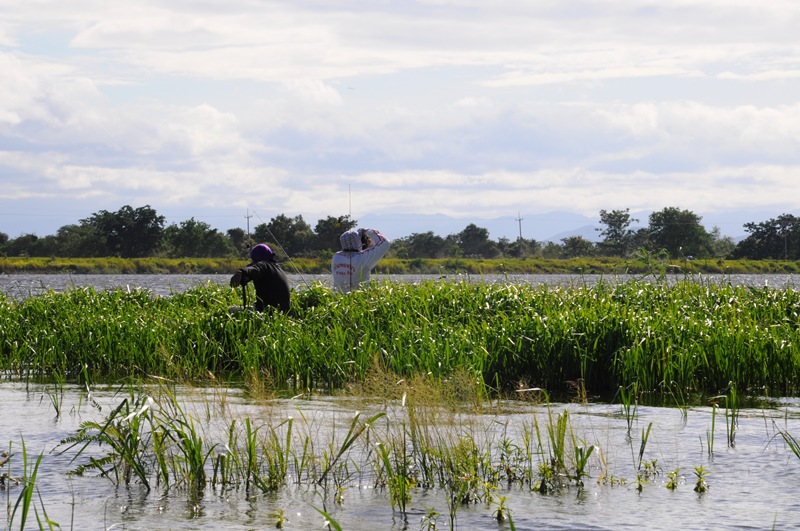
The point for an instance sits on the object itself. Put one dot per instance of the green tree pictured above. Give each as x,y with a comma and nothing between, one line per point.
26,245
129,232
424,245
292,235
328,231
618,238
552,250
519,248
679,232
721,246
196,239
577,246
778,239
238,239
474,242
77,241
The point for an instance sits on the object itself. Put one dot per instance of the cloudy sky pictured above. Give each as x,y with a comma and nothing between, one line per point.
470,109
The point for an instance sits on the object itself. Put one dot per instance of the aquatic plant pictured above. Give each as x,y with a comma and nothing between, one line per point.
414,445
792,442
710,433
25,501
700,485
582,454
629,400
643,444
280,518
330,523
673,478
395,476
647,338
430,520
731,413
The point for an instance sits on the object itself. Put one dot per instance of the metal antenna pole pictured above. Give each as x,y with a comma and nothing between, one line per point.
519,219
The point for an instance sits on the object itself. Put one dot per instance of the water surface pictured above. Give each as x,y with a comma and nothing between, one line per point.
20,286
752,485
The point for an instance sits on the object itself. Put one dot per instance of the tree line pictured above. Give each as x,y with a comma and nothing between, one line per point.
141,232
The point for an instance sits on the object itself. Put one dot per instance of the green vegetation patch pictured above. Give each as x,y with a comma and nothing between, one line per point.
668,340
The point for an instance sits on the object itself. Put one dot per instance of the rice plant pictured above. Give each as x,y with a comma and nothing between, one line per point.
692,336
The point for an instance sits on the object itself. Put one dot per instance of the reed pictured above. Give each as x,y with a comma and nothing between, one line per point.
650,339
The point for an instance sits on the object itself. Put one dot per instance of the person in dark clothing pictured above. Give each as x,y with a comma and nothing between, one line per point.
272,286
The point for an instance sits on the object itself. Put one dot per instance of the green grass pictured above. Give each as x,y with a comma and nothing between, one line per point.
693,337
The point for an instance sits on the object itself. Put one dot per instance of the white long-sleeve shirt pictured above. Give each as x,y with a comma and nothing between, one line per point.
352,269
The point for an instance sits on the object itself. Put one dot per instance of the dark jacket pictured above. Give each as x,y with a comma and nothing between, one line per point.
272,286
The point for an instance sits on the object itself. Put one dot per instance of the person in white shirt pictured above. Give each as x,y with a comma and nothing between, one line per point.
361,251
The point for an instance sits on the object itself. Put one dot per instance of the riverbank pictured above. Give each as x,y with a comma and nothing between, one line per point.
399,266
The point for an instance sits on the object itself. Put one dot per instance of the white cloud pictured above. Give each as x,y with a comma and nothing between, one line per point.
458,107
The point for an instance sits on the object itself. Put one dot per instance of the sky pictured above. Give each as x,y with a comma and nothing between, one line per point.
390,111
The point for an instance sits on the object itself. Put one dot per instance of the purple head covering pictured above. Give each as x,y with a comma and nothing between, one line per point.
350,240
261,253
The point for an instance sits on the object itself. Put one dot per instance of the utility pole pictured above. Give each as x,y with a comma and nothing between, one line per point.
247,217
520,247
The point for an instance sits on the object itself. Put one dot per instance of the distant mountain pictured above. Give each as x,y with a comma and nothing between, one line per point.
587,232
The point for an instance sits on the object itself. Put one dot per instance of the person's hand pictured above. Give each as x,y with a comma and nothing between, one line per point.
365,240
236,279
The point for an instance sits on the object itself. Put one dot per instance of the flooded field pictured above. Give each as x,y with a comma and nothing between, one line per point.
642,471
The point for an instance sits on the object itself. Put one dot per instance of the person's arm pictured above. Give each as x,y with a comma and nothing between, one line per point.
245,275
238,279
376,238
378,248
